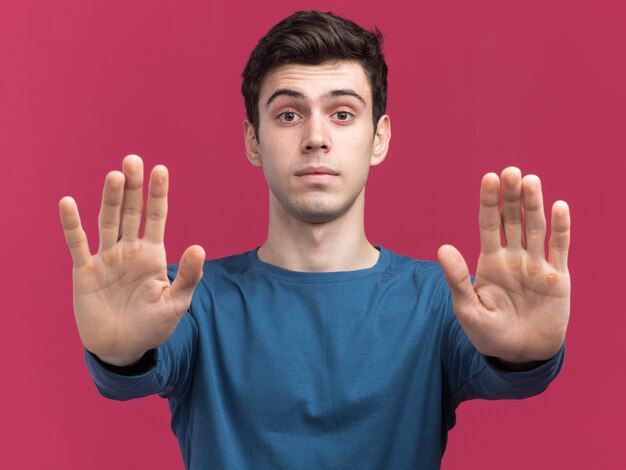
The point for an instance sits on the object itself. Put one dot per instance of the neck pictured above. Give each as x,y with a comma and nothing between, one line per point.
337,245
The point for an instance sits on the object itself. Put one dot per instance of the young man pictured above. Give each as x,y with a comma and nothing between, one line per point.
318,350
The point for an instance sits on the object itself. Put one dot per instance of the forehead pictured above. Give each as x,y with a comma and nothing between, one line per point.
315,81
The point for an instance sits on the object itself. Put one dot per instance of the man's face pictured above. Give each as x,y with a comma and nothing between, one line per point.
316,139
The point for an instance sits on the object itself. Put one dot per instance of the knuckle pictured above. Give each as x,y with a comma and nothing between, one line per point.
534,266
514,262
535,231
560,243
108,224
75,238
490,226
154,216
109,257
130,249
75,244
132,211
89,268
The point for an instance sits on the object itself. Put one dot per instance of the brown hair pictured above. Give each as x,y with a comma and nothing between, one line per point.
312,38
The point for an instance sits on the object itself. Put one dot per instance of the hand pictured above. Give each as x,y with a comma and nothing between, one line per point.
518,308
123,302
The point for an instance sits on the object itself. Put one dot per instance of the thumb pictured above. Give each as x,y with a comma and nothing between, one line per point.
458,278
188,276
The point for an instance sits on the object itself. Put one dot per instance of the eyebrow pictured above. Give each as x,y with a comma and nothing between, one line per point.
284,92
300,96
345,92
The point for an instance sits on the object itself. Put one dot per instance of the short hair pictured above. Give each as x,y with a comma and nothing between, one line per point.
313,38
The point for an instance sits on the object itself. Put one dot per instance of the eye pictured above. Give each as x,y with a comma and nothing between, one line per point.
344,115
288,116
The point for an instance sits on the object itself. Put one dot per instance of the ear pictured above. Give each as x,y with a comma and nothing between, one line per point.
381,141
252,144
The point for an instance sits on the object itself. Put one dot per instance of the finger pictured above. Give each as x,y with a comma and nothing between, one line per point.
109,218
188,276
132,166
534,217
156,208
489,219
458,278
512,206
560,235
74,234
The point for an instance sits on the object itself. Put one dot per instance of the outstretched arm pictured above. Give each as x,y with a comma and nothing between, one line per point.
517,310
123,302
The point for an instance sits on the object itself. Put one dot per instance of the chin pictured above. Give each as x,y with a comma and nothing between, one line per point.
316,208
316,218
317,213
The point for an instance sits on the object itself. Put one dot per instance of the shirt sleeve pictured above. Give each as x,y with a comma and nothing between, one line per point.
169,374
469,374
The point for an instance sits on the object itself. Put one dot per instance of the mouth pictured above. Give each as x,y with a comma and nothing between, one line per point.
317,175
317,170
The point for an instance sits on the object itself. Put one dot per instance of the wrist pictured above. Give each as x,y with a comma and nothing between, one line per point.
120,361
516,366
146,362
522,364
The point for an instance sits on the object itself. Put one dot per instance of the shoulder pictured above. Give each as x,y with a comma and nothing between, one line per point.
228,266
422,275
400,264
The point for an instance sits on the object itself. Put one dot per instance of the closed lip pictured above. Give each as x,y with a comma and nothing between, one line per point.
317,170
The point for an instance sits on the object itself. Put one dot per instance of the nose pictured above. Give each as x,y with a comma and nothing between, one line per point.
316,136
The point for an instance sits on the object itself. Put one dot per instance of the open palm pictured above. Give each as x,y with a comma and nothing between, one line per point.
517,310
123,302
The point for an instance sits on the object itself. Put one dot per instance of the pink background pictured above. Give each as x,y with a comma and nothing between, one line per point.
474,86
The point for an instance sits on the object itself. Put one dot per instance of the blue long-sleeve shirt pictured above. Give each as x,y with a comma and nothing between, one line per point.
277,369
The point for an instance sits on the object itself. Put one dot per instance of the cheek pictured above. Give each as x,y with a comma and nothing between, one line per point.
360,149
275,145
275,161
361,135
